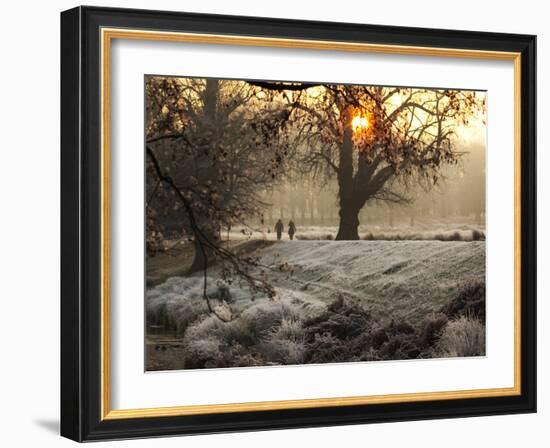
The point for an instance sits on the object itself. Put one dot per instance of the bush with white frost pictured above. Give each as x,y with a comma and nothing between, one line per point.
204,353
263,317
285,344
235,331
462,337
270,329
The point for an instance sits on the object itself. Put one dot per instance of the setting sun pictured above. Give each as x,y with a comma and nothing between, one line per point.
359,122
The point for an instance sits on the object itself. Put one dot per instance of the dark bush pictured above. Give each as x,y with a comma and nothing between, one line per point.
478,235
324,348
343,319
378,337
469,302
401,346
432,328
396,340
385,333
239,356
400,327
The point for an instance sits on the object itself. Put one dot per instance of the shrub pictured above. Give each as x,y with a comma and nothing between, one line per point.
432,328
343,319
223,292
400,346
284,344
384,333
235,331
462,337
263,317
239,356
324,348
156,313
204,353
379,337
478,235
283,351
184,314
265,333
315,235
400,327
396,340
246,360
341,333
288,329
175,314
212,352
470,301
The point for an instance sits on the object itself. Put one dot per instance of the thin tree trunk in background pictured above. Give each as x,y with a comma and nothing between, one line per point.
281,205
311,206
270,216
322,208
303,204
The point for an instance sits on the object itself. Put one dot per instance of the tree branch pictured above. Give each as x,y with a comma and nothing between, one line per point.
280,86
203,241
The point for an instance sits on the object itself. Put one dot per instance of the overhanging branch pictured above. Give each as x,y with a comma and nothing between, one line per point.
280,86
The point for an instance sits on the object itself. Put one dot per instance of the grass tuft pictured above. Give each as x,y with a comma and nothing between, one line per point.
462,337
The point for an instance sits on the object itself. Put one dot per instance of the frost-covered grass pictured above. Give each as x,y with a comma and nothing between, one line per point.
423,231
335,301
462,337
410,279
270,331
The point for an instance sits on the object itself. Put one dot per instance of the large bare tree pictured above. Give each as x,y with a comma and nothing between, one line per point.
369,138
212,148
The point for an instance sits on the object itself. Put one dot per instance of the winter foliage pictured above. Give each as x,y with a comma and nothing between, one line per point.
335,302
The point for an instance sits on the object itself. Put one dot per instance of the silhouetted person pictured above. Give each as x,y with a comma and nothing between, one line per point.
279,228
291,229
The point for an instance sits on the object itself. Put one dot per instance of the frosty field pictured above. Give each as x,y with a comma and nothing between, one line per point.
361,300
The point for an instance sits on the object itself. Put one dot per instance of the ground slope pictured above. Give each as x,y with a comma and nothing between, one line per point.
394,279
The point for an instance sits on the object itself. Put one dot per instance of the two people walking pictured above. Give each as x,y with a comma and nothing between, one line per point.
279,228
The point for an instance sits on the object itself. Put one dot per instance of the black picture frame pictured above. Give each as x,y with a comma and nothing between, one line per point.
81,224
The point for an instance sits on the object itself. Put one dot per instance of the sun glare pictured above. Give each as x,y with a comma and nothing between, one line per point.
359,123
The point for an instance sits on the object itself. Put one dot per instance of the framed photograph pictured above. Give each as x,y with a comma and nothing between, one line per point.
277,224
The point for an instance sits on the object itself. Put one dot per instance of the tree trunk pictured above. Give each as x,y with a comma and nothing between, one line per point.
349,221
356,186
349,211
303,205
204,254
311,207
208,233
